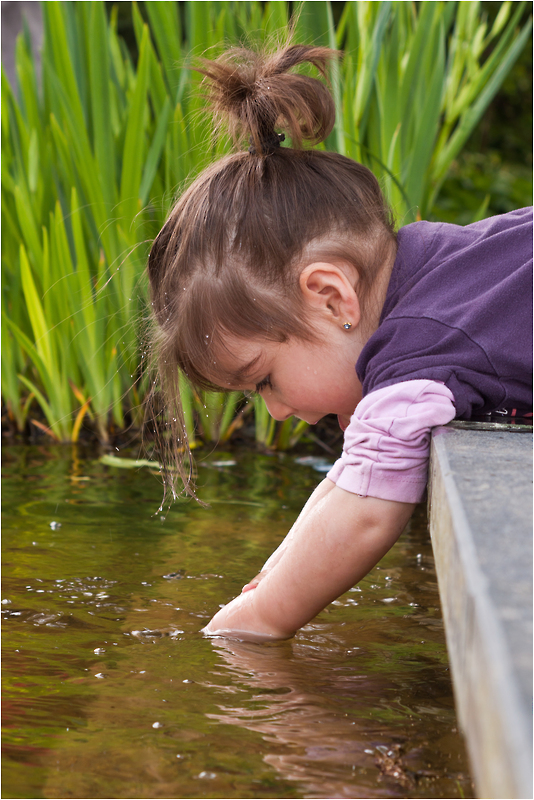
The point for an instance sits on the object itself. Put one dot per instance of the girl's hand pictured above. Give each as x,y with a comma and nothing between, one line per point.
240,619
267,567
254,582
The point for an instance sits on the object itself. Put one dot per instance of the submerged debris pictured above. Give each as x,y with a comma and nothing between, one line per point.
389,762
152,636
129,463
175,576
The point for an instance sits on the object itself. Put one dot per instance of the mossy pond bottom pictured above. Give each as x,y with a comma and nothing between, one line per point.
110,691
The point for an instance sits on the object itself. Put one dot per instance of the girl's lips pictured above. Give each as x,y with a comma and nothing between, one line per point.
343,422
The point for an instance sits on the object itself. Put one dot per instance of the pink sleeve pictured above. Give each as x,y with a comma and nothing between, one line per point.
387,442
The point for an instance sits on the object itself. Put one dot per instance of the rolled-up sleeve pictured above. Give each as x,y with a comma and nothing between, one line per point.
387,442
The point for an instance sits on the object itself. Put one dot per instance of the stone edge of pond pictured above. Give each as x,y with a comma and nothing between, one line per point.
480,515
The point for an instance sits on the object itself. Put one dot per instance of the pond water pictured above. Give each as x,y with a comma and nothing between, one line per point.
110,691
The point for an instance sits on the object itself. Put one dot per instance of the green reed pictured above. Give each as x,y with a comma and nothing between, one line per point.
96,147
414,85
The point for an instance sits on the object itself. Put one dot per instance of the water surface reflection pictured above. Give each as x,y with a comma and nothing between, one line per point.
111,691
316,706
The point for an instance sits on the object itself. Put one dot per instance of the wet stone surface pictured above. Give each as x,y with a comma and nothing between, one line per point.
493,471
481,523
111,691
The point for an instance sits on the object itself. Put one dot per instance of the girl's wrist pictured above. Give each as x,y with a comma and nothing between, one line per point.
241,619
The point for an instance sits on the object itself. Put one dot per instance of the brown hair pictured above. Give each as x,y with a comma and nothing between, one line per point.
228,259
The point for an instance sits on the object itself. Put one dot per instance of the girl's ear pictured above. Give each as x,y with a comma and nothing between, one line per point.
327,288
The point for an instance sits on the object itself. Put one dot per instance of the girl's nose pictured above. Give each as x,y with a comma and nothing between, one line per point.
277,409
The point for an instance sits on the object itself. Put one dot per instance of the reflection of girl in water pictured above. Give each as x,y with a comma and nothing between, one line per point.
279,271
294,706
338,732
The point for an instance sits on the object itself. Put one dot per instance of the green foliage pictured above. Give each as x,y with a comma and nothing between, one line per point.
94,149
484,181
413,98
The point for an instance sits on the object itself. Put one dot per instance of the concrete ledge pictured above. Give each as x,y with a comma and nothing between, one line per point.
480,498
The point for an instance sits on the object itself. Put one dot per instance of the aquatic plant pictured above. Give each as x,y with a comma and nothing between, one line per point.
95,146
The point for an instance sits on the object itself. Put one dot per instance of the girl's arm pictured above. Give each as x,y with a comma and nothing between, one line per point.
340,535
318,493
337,539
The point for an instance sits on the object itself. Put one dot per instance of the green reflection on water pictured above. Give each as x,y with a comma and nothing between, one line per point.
110,690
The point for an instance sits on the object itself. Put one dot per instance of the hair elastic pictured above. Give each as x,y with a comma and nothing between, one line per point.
347,326
268,143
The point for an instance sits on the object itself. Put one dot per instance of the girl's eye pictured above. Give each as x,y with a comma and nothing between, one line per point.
266,382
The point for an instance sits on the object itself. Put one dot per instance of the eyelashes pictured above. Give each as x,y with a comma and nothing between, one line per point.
264,384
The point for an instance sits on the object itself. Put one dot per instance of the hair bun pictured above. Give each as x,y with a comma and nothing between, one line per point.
253,94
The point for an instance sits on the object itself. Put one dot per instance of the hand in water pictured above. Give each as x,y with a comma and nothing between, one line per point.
240,619
254,582
336,540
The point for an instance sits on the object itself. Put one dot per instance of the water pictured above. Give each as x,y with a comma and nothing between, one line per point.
111,692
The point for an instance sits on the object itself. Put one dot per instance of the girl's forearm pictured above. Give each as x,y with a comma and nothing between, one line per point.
340,538
319,492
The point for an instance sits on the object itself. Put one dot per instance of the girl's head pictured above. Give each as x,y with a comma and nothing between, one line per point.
226,269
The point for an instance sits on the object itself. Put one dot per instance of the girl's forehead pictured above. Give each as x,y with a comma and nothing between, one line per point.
241,360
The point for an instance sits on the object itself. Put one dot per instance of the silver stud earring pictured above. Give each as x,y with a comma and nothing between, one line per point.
347,326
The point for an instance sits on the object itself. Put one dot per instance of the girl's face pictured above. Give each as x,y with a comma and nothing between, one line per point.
303,379
308,379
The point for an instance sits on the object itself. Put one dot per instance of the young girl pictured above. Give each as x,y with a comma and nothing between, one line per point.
279,271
